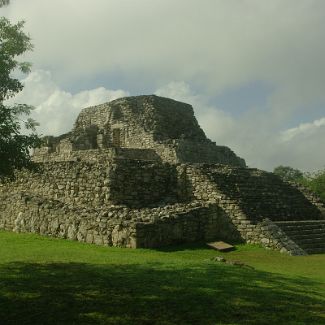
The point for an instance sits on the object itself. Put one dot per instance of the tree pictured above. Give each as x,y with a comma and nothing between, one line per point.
288,173
14,146
4,3
316,182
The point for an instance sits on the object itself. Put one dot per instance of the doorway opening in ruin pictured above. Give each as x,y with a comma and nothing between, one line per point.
116,137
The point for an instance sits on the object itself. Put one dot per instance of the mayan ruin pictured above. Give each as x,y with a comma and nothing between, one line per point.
139,172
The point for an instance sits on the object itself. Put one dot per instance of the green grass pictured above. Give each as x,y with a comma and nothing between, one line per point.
51,281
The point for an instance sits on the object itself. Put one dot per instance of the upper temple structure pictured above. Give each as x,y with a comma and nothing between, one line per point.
139,172
160,128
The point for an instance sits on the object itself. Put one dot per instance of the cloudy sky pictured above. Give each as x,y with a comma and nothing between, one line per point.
254,70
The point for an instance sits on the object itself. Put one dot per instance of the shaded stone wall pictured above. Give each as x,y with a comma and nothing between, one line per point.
139,184
311,197
205,152
200,224
251,192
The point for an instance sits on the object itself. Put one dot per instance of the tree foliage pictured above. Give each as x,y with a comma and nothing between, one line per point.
314,181
14,146
288,173
4,3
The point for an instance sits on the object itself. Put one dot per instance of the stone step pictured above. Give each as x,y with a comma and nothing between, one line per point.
310,240
310,245
300,222
304,232
318,250
307,238
303,226
314,226
290,224
307,234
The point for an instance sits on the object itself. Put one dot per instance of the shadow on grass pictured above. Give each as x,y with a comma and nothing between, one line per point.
69,293
182,247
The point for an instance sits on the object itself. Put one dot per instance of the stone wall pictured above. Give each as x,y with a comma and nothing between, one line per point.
156,117
80,183
116,226
74,183
136,203
140,184
199,223
95,155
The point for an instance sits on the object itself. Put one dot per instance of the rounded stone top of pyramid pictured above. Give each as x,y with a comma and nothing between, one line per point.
166,118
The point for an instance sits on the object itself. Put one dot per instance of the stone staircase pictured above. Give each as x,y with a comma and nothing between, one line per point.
259,194
308,234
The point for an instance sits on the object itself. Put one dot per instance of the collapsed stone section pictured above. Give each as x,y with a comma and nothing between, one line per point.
162,125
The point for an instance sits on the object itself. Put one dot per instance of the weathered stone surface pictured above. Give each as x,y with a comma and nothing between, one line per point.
221,246
141,127
119,179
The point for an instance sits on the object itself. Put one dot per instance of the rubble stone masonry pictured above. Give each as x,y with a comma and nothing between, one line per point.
140,172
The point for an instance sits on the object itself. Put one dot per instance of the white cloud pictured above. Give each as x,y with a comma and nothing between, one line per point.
303,130
56,109
214,43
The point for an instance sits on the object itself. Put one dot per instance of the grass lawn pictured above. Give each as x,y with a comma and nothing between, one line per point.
52,281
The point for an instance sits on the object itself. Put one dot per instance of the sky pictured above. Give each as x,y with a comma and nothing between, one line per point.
253,70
